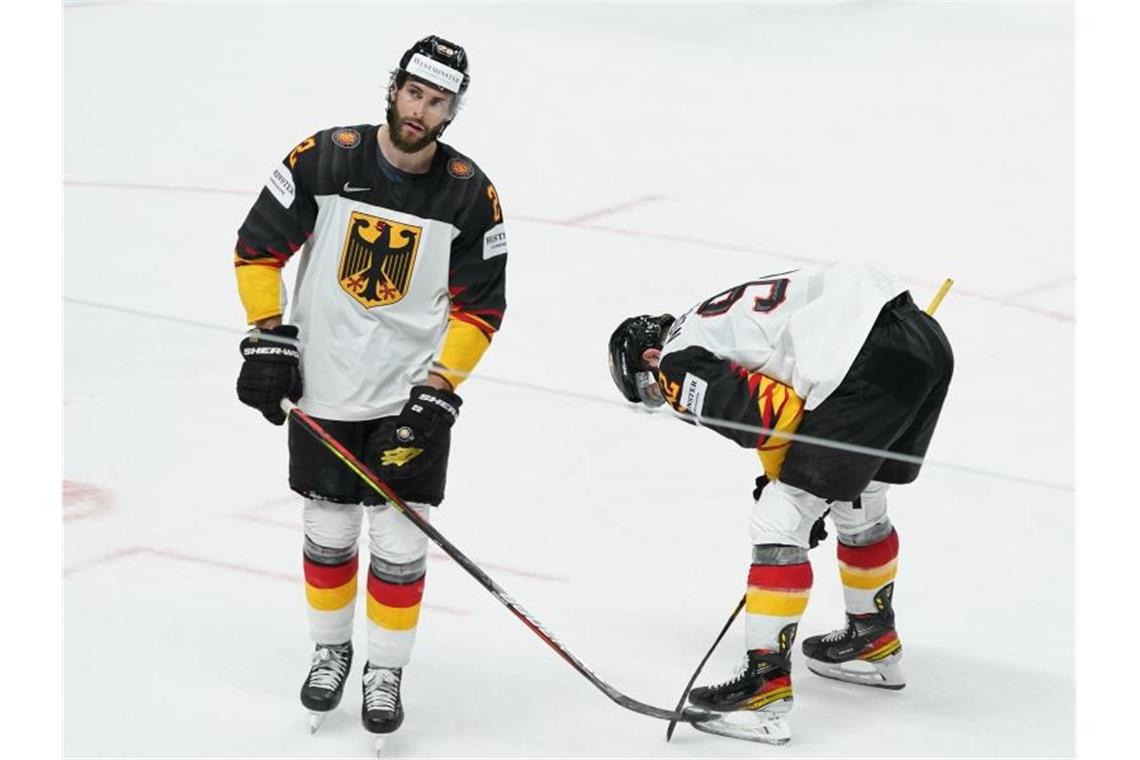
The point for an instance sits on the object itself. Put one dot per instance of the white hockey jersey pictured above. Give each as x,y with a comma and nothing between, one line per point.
802,328
399,274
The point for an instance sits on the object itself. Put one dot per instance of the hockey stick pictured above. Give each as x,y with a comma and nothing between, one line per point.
697,672
937,300
313,428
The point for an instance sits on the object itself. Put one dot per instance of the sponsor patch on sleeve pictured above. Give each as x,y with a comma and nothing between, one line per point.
495,242
693,391
280,185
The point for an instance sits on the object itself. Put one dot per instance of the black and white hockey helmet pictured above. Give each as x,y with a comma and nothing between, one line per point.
438,62
636,381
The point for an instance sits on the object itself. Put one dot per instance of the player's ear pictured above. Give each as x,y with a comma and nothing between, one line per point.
651,357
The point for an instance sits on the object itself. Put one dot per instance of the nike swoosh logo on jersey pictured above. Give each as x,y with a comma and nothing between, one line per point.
348,188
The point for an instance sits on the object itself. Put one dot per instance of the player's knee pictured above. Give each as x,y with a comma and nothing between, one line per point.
862,516
784,515
394,538
331,527
865,535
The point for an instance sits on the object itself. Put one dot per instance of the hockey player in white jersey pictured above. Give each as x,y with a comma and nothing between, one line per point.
400,289
837,352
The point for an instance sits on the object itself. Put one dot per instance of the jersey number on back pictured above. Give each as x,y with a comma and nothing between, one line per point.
774,293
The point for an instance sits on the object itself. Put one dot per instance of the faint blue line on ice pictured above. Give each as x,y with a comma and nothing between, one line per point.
152,315
714,422
705,421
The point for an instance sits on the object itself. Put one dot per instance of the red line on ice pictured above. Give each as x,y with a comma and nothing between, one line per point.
252,516
1002,300
1043,287
608,210
133,551
579,223
84,500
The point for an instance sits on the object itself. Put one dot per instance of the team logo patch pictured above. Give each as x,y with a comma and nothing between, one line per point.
346,138
459,168
377,260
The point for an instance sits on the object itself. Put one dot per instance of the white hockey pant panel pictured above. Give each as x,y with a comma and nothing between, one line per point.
784,515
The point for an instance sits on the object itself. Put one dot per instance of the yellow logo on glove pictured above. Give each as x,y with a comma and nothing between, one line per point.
399,456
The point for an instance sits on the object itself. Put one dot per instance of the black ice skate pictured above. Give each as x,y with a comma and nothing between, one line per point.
755,700
324,685
866,652
381,711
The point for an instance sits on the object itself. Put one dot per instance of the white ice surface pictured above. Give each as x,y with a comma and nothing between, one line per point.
646,157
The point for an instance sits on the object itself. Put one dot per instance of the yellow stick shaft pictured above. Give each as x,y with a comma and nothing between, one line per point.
937,300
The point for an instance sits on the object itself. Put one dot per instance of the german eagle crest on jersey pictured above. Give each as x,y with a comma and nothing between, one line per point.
377,260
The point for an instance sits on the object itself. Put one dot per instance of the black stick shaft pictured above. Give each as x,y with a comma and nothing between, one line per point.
697,672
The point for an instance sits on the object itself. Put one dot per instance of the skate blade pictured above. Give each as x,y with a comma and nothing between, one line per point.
315,721
749,725
378,744
884,674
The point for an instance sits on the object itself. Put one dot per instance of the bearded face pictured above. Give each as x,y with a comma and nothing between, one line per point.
417,114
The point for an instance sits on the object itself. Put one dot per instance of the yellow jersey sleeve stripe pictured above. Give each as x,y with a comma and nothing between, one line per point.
260,289
463,347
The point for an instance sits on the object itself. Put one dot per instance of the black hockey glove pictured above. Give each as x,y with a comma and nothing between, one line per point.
271,371
406,445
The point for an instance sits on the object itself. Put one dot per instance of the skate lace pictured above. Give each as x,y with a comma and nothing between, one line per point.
836,635
329,669
381,689
737,674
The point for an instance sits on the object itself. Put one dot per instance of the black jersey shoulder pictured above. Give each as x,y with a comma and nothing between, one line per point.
346,162
470,192
334,157
459,168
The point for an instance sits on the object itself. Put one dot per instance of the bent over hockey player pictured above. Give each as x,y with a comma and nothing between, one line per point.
837,352
400,288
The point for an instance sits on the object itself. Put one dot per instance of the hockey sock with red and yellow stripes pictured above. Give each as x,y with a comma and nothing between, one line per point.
866,569
779,584
395,592
330,588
